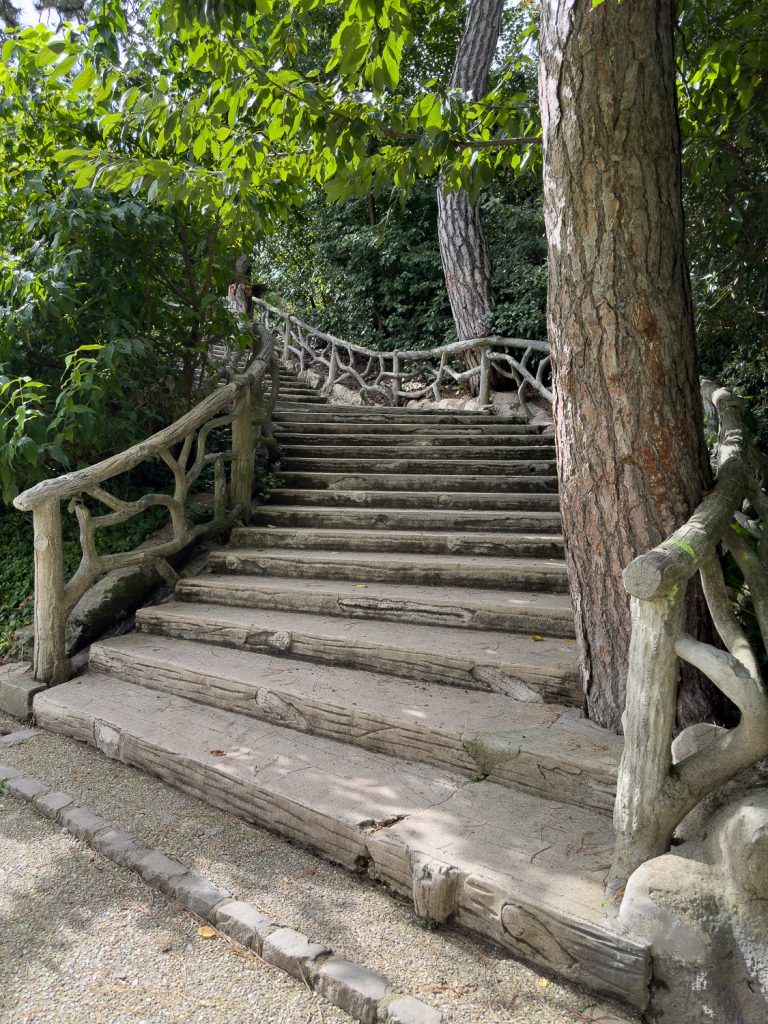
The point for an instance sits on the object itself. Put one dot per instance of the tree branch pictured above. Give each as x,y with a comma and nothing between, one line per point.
726,623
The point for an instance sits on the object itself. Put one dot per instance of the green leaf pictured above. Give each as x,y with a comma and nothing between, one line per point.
83,81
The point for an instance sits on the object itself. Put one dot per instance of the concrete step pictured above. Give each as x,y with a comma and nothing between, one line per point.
496,545
512,611
381,519
475,571
387,415
437,440
539,748
521,870
288,402
536,671
494,483
425,465
402,449
411,499
429,427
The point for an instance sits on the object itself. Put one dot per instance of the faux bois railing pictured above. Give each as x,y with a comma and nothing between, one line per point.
243,406
656,789
398,376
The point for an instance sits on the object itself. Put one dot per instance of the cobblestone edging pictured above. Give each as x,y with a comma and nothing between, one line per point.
365,995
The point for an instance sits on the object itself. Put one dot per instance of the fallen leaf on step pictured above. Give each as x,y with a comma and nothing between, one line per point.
217,753
206,932
535,636
361,586
542,983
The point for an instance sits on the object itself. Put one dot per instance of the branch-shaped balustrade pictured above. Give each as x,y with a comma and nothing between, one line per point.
655,792
243,406
405,375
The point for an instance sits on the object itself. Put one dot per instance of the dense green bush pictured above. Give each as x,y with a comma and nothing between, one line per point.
106,306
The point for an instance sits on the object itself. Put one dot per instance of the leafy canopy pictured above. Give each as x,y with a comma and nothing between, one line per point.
242,106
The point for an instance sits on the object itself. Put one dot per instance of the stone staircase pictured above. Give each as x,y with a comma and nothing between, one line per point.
381,666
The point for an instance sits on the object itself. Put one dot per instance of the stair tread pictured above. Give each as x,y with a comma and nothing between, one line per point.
539,859
549,655
383,518
330,555
447,597
437,477
273,687
411,452
456,537
519,438
358,409
549,501
494,473
424,427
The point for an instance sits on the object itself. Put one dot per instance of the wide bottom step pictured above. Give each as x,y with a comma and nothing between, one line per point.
541,748
523,871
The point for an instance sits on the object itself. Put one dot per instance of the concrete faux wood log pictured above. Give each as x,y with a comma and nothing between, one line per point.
412,374
653,795
50,661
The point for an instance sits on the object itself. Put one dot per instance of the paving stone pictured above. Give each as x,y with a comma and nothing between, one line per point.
120,847
292,952
82,823
399,1009
244,923
51,804
352,987
6,772
157,869
199,895
26,789
20,736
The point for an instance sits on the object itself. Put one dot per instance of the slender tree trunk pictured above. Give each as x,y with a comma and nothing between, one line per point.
466,261
632,462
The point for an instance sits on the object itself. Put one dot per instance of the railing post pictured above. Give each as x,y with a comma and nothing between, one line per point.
242,451
484,394
395,378
649,720
51,664
333,367
286,339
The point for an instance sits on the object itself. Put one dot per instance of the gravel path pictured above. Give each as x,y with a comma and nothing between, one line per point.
83,940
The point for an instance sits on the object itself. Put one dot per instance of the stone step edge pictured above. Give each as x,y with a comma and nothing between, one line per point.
360,992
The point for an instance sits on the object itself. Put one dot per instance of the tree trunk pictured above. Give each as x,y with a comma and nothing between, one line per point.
632,462
463,250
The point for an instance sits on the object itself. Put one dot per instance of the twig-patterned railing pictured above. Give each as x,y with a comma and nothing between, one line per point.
243,405
405,375
654,792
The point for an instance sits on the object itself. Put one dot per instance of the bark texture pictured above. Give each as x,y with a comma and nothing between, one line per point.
463,249
632,462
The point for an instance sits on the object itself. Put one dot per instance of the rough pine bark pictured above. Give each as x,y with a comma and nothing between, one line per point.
631,456
463,249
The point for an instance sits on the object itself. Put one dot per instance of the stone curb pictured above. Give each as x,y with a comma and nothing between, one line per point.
363,994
